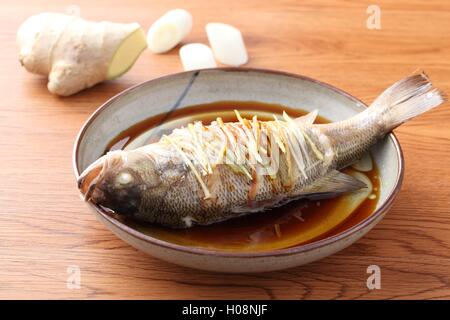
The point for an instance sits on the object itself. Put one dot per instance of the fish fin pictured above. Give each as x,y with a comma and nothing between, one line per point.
331,185
406,99
308,119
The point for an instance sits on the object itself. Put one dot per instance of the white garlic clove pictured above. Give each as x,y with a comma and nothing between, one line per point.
196,56
227,44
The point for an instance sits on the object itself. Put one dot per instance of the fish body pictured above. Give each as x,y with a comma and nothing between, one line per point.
205,174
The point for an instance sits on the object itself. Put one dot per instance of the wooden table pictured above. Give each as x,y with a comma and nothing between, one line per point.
45,227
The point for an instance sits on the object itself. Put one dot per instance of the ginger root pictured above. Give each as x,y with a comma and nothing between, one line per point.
75,53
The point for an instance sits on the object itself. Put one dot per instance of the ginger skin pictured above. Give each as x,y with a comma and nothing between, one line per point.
75,53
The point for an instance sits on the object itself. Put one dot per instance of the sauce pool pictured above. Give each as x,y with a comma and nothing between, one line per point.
257,230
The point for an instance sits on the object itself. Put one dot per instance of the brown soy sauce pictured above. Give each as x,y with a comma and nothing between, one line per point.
240,234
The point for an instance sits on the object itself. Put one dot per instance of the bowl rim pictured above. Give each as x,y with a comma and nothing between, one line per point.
302,248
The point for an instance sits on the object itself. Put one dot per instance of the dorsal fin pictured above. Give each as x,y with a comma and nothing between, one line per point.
307,119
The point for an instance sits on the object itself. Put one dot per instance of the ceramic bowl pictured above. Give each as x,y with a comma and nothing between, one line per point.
198,87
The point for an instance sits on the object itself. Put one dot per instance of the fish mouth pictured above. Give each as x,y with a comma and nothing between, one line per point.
90,177
95,173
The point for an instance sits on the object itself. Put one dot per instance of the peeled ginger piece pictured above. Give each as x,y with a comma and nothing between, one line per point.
126,54
196,56
227,44
168,31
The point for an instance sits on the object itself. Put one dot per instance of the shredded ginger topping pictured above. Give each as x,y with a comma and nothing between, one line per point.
245,146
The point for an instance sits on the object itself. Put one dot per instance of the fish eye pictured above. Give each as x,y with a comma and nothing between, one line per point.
124,178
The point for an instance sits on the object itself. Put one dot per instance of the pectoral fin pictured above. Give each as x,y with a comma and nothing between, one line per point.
331,185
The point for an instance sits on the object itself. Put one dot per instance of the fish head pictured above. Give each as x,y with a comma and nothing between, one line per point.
117,181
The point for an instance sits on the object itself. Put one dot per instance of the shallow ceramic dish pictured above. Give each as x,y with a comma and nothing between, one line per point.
197,87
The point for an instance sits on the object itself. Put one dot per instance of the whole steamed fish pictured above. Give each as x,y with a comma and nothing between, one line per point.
206,174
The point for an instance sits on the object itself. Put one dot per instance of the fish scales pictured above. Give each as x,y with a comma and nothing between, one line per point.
230,190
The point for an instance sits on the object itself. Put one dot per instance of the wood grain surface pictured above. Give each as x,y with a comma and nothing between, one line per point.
45,227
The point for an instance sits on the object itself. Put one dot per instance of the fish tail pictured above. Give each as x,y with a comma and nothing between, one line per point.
405,100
